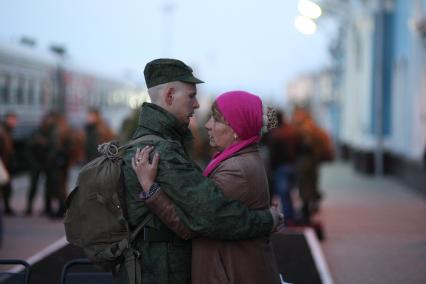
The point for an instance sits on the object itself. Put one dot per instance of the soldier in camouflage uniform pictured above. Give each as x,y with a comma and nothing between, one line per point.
201,206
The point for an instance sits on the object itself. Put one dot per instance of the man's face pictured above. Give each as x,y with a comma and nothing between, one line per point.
184,102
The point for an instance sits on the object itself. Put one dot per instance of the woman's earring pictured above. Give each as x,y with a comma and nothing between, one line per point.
235,137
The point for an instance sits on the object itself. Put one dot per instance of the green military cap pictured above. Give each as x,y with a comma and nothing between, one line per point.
164,70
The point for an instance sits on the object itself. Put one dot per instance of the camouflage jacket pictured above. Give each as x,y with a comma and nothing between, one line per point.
201,206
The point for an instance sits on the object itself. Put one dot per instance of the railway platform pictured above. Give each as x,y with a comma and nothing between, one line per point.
374,233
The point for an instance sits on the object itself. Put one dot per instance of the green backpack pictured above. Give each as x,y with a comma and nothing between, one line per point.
95,217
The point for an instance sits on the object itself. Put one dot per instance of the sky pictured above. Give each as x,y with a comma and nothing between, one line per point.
231,44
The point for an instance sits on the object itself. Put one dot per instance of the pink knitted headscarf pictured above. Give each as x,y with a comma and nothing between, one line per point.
243,112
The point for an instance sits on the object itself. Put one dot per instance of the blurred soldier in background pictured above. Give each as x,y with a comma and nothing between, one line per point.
7,155
283,143
97,132
315,148
38,147
53,147
57,159
62,162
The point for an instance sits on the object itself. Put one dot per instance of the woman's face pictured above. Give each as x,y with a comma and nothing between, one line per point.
221,135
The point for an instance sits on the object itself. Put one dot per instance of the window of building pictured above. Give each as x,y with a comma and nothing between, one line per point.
358,48
47,94
19,91
4,88
31,92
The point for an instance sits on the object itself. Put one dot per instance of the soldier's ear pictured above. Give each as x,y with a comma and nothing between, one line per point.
169,93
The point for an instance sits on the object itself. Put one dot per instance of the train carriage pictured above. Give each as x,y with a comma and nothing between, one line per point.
33,83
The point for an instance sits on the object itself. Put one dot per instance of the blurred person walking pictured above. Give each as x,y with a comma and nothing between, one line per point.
7,154
57,163
49,137
62,162
283,145
38,146
315,148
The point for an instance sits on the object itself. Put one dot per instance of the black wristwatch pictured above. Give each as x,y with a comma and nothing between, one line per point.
152,190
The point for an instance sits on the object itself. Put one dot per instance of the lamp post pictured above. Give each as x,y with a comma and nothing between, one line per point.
60,51
378,88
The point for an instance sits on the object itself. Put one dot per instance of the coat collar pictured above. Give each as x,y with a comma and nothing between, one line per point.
249,149
155,119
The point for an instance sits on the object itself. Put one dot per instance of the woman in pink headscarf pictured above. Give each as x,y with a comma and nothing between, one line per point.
234,129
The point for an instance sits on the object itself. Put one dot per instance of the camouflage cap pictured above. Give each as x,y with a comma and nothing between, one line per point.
164,70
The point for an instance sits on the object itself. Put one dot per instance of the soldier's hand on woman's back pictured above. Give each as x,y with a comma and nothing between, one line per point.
278,218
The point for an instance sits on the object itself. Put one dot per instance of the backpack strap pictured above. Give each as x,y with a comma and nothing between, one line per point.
112,149
148,137
136,231
133,268
116,155
130,254
132,143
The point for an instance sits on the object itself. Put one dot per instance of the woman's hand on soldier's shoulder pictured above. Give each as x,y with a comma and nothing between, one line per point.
145,171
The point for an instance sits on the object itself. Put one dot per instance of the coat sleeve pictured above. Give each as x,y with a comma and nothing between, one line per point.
201,205
161,206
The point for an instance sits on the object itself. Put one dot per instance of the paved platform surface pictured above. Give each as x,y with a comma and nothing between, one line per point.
25,236
375,228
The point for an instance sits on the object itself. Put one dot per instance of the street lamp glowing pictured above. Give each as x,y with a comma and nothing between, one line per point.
305,25
309,9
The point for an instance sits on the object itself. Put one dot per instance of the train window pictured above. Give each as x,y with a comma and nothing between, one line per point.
103,98
94,98
13,90
31,92
41,92
20,96
37,93
4,88
47,96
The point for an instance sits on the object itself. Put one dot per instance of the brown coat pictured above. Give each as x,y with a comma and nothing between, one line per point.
241,177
